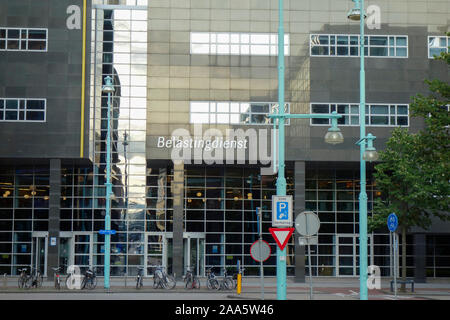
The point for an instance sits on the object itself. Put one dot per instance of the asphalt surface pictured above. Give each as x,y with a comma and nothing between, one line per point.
323,289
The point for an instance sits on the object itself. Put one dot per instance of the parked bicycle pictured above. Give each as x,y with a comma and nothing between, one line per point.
162,280
57,279
27,281
140,278
231,280
23,281
192,281
89,280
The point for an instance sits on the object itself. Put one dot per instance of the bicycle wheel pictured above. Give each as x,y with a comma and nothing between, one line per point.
170,282
228,284
156,282
57,283
213,284
139,283
39,280
189,284
28,282
93,283
21,282
196,283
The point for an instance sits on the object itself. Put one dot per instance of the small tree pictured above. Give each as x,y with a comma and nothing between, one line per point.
414,172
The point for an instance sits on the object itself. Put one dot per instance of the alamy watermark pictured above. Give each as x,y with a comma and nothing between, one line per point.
234,146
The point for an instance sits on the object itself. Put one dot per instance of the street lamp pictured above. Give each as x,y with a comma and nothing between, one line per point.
369,154
108,88
333,136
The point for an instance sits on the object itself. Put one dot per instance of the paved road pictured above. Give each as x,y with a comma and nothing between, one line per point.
324,289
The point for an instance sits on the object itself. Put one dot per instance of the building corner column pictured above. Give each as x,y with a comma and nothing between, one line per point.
53,217
178,214
299,207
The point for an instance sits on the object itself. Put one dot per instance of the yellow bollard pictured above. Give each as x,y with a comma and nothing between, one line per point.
239,283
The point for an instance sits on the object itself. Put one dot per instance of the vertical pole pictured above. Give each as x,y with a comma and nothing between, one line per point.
395,264
363,194
281,180
261,268
108,193
308,239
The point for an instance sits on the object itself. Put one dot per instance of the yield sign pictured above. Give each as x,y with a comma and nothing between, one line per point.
281,236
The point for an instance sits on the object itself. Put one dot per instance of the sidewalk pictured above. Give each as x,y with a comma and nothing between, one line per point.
323,289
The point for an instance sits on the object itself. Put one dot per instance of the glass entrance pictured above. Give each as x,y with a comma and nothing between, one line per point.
347,251
39,252
194,252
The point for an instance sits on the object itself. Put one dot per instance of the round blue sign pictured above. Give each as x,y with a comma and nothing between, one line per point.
392,222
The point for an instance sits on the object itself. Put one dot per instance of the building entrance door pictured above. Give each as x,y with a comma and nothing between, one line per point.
76,248
347,254
39,252
194,252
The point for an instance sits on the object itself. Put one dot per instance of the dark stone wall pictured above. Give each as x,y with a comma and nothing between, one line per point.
55,75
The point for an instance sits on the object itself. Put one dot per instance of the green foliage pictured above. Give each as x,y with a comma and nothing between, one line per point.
414,173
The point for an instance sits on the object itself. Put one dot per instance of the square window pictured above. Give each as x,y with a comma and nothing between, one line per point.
320,108
11,115
379,109
402,109
342,40
343,108
401,41
13,34
37,34
402,121
342,51
13,45
401,52
223,118
223,107
12,104
35,116
379,120
378,51
379,41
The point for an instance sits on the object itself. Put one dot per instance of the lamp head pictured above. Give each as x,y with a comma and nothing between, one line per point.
108,87
370,155
355,13
334,136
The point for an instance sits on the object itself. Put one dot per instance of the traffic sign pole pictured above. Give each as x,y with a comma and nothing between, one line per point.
392,224
261,268
308,224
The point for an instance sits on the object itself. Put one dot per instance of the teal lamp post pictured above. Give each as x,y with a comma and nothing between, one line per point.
333,136
108,88
369,154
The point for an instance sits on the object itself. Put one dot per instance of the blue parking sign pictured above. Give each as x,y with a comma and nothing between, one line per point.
283,210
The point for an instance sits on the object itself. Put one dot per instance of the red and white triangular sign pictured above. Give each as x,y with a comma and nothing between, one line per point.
281,236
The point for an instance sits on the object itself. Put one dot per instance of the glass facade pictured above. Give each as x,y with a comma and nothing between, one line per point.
237,43
23,39
386,115
247,113
31,110
349,45
219,221
436,45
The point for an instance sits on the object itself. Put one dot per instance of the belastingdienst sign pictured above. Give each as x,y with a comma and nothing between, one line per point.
235,146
